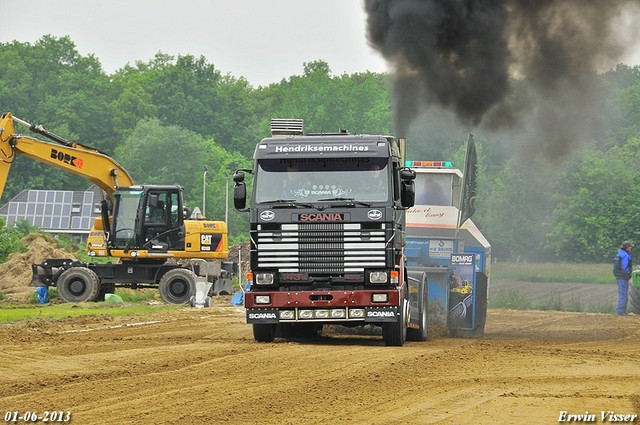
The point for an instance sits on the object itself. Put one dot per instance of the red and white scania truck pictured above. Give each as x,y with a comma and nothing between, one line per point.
328,236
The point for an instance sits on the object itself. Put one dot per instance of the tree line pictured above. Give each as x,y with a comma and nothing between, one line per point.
166,119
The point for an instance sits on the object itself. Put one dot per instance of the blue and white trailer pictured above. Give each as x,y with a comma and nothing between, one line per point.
454,258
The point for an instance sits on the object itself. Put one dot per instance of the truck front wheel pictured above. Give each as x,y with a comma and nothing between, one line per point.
78,285
264,332
177,286
395,333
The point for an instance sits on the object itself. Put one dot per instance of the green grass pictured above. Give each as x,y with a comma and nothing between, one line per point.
134,302
552,272
13,313
513,300
138,295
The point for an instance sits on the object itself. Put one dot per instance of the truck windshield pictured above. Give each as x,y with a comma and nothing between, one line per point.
313,179
124,222
434,189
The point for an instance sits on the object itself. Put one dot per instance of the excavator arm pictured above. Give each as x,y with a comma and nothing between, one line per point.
89,163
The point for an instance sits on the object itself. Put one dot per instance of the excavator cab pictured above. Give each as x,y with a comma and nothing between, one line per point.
148,218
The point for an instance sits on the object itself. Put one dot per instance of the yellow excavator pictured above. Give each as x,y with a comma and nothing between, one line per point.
146,228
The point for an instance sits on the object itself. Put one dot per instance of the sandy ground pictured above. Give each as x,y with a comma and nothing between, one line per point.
195,366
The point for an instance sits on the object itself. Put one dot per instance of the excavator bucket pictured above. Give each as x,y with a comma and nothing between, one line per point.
37,273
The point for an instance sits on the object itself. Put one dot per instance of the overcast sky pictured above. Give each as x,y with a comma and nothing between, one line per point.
261,40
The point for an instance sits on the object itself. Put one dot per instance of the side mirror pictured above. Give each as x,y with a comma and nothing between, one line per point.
407,193
240,196
407,187
238,177
407,174
240,189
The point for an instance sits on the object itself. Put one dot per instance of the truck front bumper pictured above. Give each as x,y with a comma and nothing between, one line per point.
323,315
366,306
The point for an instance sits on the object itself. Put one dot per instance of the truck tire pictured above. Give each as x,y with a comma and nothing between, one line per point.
481,305
420,334
395,333
264,332
78,285
634,299
177,286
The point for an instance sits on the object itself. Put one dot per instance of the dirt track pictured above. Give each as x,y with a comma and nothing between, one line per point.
202,366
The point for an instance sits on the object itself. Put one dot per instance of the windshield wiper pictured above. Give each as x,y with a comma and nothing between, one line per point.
284,203
349,201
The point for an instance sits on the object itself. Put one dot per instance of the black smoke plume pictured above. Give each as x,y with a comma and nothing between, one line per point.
464,56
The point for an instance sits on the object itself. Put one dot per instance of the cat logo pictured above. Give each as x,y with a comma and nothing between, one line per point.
206,239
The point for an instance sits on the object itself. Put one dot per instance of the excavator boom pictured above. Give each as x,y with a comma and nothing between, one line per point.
89,163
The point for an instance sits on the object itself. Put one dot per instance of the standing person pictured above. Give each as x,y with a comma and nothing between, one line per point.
622,267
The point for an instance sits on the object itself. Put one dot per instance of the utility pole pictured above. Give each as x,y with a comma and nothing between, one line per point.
226,203
204,191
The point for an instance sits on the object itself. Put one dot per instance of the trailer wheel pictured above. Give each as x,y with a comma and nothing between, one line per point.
395,333
420,334
264,332
634,299
177,286
78,285
481,314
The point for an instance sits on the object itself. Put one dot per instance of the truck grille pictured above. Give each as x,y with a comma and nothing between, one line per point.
321,248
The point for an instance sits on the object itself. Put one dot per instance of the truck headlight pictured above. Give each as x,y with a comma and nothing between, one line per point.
378,277
263,299
287,315
305,314
338,313
264,278
379,298
322,314
356,313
